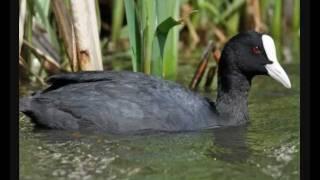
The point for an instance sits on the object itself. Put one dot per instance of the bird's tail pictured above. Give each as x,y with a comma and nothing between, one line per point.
24,104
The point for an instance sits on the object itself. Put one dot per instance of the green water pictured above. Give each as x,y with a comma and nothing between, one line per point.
267,148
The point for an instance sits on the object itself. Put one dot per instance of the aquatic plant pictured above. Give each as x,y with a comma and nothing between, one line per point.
153,37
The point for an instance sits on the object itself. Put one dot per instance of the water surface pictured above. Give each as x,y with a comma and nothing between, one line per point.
267,148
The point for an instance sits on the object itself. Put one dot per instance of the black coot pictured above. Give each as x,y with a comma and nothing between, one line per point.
124,102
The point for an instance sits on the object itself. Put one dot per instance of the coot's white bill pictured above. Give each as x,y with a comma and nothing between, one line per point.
274,70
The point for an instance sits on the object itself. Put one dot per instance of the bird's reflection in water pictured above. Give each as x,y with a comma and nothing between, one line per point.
229,144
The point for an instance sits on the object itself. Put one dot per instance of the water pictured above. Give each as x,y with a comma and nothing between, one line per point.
267,148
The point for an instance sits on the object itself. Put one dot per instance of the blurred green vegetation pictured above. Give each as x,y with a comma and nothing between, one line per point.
130,38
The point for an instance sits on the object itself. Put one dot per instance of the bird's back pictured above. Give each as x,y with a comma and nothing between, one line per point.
118,102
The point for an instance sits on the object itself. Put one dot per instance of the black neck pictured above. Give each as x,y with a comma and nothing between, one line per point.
233,89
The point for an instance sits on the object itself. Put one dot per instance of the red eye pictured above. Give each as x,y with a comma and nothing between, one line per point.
256,50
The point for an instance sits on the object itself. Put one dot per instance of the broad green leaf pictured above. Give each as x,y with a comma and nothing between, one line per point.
170,57
159,41
149,24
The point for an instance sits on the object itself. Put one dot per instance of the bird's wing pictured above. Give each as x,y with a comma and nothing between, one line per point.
68,78
59,80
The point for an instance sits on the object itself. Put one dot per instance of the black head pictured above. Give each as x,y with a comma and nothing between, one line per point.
253,53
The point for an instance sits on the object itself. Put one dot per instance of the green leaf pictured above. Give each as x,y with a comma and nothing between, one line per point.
276,24
148,37
134,33
159,41
148,25
296,15
211,7
117,19
42,13
232,8
98,15
170,57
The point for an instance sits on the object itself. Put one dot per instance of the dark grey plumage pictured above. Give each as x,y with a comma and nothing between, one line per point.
119,102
